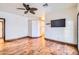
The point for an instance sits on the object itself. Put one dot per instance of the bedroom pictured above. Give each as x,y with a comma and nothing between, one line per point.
20,29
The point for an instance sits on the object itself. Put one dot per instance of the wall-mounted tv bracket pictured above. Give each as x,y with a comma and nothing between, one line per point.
48,23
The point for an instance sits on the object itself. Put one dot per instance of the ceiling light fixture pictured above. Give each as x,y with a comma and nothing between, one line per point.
46,4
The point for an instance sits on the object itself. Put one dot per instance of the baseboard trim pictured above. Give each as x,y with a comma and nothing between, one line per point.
75,45
33,37
9,40
22,38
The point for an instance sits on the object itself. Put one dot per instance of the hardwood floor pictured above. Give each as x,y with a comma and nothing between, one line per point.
28,46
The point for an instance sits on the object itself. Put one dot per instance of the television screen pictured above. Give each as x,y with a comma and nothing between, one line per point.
58,23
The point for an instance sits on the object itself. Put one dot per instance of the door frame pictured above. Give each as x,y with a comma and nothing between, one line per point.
3,27
77,30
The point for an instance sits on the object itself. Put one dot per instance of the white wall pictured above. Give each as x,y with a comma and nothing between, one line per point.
16,25
66,34
20,26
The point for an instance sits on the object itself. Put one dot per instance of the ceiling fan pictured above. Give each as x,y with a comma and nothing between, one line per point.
27,9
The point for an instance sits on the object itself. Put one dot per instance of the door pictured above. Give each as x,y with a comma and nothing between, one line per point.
2,33
35,28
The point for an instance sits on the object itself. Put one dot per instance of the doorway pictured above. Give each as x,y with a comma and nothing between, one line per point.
2,29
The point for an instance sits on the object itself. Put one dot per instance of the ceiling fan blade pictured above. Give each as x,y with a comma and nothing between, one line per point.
32,12
25,12
33,9
24,5
21,8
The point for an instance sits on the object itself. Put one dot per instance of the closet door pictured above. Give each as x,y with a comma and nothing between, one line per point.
35,28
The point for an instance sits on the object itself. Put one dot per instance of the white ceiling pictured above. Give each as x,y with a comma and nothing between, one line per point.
11,7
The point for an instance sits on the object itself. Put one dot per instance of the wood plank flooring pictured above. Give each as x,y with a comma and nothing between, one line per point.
29,46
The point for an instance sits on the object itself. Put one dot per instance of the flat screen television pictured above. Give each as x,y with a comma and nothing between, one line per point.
58,23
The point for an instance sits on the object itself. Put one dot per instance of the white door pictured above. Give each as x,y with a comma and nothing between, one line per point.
35,28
